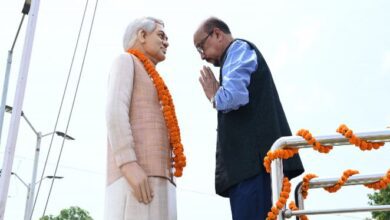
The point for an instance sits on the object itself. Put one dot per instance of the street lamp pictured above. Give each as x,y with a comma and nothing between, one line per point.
31,193
8,109
29,186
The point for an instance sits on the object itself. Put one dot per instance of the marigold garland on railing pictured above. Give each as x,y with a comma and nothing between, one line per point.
294,207
290,152
312,141
353,139
341,181
381,184
279,153
286,189
305,184
169,113
343,129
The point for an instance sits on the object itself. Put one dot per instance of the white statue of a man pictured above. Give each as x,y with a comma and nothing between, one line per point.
140,174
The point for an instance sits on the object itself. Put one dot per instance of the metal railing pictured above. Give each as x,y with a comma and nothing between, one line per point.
330,140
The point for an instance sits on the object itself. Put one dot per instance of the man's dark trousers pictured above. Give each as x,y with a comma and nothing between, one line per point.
251,199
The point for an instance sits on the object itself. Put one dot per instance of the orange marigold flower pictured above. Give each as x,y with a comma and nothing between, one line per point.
362,144
292,206
286,188
305,134
381,184
341,181
279,153
305,184
279,205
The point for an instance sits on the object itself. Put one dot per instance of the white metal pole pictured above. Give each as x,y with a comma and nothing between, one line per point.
6,78
31,196
27,200
5,89
9,152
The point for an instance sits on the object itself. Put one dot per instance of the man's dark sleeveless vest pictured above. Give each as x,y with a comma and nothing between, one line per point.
245,135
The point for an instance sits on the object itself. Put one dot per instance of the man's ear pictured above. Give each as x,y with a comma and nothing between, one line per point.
218,33
141,35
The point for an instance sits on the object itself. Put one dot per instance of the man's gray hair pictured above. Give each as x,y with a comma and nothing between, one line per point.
147,24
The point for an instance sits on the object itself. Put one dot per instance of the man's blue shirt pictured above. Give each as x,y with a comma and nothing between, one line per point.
240,63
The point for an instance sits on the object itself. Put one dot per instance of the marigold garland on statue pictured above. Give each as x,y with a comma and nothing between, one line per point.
286,188
168,109
294,207
312,141
341,181
353,139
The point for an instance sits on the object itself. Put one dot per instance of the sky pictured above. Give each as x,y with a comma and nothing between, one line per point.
330,61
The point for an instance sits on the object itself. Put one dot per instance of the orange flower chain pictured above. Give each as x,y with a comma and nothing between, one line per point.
381,184
305,184
168,111
362,144
286,189
312,141
279,153
343,129
341,181
294,207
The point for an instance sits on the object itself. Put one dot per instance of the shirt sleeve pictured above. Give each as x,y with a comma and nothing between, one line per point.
120,87
240,63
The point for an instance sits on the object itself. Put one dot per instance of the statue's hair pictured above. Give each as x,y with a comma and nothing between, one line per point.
147,24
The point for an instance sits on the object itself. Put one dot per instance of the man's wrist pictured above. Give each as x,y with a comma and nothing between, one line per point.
212,101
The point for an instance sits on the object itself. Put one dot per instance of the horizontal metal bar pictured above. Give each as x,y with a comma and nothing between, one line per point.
334,140
289,213
353,180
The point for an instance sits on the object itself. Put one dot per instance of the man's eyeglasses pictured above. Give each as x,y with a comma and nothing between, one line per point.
200,45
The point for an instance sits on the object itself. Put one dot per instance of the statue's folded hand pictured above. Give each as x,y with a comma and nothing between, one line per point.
138,180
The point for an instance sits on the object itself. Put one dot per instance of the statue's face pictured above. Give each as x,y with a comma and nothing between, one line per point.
156,44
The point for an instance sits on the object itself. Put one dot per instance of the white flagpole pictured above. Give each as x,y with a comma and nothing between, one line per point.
17,107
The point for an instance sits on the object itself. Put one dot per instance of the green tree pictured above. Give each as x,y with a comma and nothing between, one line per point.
380,198
72,213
